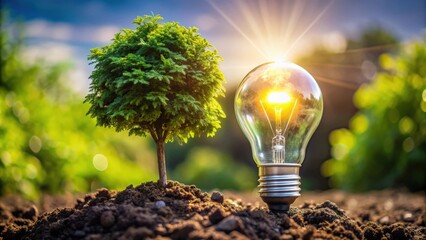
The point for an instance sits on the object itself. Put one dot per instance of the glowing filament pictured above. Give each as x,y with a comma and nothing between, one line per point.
278,98
278,142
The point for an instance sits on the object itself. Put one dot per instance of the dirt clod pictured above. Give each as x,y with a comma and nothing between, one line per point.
31,213
184,212
107,219
183,231
217,215
217,197
229,224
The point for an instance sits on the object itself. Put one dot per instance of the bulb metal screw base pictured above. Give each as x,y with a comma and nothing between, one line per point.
279,185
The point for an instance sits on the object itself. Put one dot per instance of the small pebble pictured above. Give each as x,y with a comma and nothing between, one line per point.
107,219
160,204
408,217
230,224
384,220
217,197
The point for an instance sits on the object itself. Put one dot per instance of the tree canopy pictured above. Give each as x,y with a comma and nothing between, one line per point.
161,79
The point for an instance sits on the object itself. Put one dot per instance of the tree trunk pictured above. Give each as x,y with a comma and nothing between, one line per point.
161,160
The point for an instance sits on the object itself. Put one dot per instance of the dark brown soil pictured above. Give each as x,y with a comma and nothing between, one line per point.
185,212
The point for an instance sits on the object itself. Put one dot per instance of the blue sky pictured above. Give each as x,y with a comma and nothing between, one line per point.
246,33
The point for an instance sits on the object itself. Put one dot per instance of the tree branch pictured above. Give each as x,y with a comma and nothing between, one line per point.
165,134
153,134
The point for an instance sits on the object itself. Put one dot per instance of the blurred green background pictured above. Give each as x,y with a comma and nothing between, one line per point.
372,135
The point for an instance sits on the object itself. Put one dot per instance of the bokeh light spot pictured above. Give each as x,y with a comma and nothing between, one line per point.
408,144
359,123
369,69
342,136
21,112
417,82
423,106
31,171
100,162
361,97
35,144
6,159
16,174
339,151
406,125
387,62
327,169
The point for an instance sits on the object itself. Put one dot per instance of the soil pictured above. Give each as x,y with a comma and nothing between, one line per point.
185,212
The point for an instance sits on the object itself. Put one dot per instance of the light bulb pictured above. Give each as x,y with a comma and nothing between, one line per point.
278,107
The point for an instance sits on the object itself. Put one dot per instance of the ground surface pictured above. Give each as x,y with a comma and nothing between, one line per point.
185,212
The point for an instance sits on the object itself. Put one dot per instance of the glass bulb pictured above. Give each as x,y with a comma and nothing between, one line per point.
278,107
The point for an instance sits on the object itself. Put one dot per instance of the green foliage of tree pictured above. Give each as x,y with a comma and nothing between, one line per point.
46,143
385,145
211,169
159,79
373,36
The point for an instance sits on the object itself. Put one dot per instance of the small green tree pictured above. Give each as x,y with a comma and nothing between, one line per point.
159,79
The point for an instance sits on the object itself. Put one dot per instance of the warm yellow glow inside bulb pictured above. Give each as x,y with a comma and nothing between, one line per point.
278,97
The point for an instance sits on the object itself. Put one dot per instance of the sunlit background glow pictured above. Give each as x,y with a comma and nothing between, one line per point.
246,33
339,42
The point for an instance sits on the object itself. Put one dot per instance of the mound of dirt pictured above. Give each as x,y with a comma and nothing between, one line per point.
185,212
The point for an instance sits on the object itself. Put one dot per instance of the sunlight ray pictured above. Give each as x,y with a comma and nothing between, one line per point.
266,16
295,14
308,28
236,27
335,65
344,84
270,26
251,20
265,27
373,48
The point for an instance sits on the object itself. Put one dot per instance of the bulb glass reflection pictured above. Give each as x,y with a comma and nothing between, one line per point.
278,107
